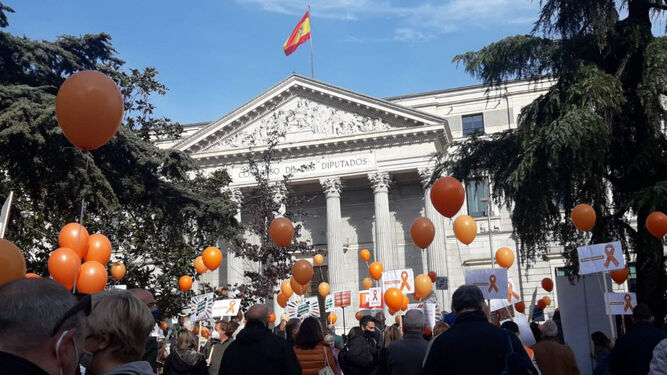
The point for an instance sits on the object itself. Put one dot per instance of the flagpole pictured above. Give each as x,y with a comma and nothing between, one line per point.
310,20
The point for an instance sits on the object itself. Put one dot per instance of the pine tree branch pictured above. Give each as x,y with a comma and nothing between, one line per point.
657,5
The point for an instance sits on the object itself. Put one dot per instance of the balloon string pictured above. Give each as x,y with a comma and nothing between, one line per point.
83,205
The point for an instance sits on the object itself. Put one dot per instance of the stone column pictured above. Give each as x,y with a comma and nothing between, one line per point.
335,256
436,253
235,263
384,241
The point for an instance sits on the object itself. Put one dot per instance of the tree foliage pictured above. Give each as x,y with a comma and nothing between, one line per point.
155,206
595,137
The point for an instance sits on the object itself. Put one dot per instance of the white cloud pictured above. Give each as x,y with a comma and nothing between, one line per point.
406,34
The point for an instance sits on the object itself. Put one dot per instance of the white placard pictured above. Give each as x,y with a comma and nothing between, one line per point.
512,297
226,307
375,297
303,308
201,307
329,303
492,282
403,280
429,313
620,303
601,257
525,334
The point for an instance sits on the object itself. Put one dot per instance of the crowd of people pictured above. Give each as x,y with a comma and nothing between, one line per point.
44,329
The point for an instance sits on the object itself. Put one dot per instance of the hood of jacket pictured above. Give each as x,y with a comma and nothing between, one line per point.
133,368
186,359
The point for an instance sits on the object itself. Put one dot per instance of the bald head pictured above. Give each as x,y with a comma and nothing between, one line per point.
258,312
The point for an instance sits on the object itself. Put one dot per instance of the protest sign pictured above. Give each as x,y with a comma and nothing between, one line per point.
343,299
363,300
226,307
512,298
620,303
492,282
600,257
329,303
403,280
441,283
302,309
375,297
201,307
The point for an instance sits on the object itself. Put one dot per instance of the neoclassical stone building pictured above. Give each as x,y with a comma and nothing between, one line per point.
370,159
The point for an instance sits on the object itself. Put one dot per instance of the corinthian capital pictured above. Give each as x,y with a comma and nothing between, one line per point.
331,185
380,181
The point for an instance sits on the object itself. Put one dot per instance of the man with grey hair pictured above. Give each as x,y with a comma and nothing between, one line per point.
473,346
551,356
41,328
405,357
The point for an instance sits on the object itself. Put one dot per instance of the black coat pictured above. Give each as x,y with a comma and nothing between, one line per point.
185,363
473,346
633,352
360,355
257,351
150,352
405,356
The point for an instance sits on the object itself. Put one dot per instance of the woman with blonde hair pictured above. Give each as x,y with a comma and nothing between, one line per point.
184,358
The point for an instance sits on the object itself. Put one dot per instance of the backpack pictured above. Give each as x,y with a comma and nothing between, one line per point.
357,357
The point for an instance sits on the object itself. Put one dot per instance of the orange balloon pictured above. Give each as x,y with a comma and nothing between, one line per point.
212,257
548,284
375,269
406,302
92,277
541,304
282,299
423,285
297,288
583,217
31,275
391,311
195,330
547,300
368,283
432,275
12,262
504,257
365,255
332,318
69,238
520,306
619,276
359,315
393,298
63,266
118,270
163,325
99,249
465,228
89,109
200,267
656,223
323,289
417,296
318,259
205,332
302,272
286,289
185,282
447,196
281,231
272,317
422,232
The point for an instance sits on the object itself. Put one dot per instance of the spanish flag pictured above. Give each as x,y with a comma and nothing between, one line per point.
299,36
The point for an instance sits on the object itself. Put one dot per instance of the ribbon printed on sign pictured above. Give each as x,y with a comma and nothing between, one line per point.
403,280
492,282
512,297
375,297
620,303
201,307
226,307
600,257
303,308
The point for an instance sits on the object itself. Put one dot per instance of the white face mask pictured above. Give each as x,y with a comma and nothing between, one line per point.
60,341
215,335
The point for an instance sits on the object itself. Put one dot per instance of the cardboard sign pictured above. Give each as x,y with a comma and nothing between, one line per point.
343,299
525,334
441,283
492,282
201,307
429,313
303,308
620,303
375,297
226,307
363,299
601,257
329,303
403,280
512,298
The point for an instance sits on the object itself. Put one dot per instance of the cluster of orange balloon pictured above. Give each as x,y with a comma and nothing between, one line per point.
447,196
656,224
210,259
302,273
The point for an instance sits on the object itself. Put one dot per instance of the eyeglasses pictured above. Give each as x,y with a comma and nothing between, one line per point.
84,304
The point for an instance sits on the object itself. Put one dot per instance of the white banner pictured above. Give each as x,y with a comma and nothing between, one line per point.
403,280
620,303
512,298
201,307
4,214
429,313
329,303
226,307
600,257
303,308
375,297
492,282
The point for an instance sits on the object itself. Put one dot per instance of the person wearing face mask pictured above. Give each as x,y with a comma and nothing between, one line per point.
151,349
224,330
360,356
41,328
118,327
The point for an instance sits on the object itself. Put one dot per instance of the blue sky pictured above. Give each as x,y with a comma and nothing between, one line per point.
215,55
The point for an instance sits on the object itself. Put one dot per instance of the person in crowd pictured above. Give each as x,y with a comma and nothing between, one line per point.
658,365
213,340
238,319
439,328
632,352
291,329
458,350
162,354
380,321
405,357
41,328
391,334
225,331
329,339
338,339
556,319
280,330
312,352
537,332
150,352
184,359
360,355
256,351
602,351
552,357
513,328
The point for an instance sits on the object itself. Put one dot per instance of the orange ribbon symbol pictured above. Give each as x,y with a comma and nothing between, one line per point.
404,282
375,294
609,252
510,293
492,283
628,302
232,303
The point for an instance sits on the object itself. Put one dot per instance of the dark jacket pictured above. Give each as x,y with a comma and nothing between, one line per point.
602,362
360,356
150,352
216,356
257,351
473,346
11,364
405,357
185,362
632,353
